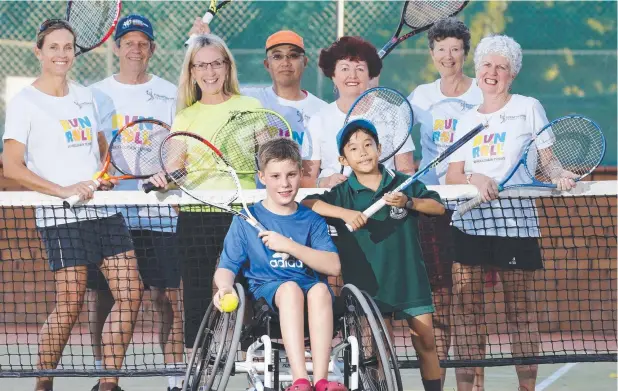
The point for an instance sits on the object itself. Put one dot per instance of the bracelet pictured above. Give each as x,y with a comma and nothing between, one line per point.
468,177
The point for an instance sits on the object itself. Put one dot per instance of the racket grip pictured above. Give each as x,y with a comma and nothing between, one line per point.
207,18
74,199
470,204
149,186
371,211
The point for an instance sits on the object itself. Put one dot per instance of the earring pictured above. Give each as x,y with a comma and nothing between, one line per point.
335,90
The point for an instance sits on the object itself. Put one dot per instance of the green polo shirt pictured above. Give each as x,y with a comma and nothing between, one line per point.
384,257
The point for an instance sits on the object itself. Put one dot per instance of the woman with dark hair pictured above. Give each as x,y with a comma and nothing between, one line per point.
351,63
437,108
53,144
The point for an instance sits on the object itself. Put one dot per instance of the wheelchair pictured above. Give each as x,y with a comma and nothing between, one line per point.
362,356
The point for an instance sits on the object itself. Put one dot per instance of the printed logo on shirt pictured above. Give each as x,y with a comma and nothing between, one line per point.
278,262
444,131
504,117
82,104
487,147
139,135
154,96
77,131
398,213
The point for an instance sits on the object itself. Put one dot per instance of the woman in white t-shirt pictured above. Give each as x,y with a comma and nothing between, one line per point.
52,145
437,108
351,63
501,235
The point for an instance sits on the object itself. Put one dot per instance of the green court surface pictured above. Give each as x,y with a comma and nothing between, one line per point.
554,377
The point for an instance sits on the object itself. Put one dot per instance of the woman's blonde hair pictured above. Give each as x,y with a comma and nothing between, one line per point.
190,92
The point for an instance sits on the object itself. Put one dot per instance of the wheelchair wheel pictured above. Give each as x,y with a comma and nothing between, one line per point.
360,322
392,354
215,348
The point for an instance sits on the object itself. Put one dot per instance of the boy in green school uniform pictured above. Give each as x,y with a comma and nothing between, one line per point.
383,254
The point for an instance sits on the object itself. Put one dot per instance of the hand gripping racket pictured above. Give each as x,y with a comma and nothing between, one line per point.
93,22
420,15
214,7
568,147
447,152
391,114
133,152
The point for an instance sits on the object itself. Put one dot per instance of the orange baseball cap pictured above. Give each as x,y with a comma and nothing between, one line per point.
285,37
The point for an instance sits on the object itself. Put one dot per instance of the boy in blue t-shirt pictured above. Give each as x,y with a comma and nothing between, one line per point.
286,284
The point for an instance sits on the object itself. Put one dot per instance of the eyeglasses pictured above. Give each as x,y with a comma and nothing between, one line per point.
54,22
294,56
202,66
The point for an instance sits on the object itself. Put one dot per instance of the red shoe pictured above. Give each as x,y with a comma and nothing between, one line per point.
299,387
335,386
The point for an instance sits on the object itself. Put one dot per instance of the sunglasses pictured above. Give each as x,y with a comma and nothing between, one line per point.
54,22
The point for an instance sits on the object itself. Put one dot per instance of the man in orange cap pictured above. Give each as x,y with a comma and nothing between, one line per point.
286,62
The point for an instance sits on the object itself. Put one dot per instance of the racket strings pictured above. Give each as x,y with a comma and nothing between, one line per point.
391,115
577,148
194,166
135,151
92,20
241,137
419,14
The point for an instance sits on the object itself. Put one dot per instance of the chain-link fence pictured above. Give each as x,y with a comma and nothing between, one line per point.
569,47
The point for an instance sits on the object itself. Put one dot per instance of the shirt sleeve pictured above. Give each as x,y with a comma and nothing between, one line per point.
320,238
538,119
17,123
234,253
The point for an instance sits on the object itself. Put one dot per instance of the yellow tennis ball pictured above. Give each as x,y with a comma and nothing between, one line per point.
229,302
104,177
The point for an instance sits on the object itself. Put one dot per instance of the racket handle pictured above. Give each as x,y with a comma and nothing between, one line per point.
74,199
470,204
207,18
371,211
260,228
149,186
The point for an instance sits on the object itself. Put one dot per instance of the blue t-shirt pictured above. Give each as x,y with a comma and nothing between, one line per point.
244,251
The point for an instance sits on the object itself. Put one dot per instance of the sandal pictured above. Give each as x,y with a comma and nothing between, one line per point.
335,386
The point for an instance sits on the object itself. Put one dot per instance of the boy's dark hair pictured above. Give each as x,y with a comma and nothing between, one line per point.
348,136
449,28
279,149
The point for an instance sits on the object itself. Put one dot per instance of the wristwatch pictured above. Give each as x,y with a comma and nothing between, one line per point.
409,203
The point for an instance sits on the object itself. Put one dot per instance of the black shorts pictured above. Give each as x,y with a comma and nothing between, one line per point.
500,252
85,242
438,248
157,258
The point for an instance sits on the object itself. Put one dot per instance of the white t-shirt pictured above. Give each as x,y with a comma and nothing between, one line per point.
324,127
438,116
60,135
120,104
494,152
296,112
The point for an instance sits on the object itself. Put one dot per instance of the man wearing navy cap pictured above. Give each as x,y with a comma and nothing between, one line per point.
131,94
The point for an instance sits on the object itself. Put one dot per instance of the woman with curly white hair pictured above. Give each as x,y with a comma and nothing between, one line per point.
503,235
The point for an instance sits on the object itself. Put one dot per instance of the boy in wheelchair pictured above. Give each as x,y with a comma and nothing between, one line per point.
286,284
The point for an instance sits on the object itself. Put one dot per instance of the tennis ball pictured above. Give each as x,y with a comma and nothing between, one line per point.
104,177
229,302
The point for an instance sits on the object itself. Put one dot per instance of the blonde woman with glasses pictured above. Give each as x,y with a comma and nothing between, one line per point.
208,93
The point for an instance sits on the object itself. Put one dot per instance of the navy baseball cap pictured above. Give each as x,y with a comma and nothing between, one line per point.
353,126
134,22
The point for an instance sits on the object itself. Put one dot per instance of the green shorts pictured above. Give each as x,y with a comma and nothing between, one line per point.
411,312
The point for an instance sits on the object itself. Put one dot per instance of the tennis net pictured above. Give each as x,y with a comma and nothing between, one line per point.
568,315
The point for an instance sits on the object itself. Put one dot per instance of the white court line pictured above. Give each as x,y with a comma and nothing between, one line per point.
555,376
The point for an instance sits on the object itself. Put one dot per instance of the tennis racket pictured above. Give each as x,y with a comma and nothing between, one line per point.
391,114
434,163
214,7
420,16
568,147
239,140
133,153
93,22
192,162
